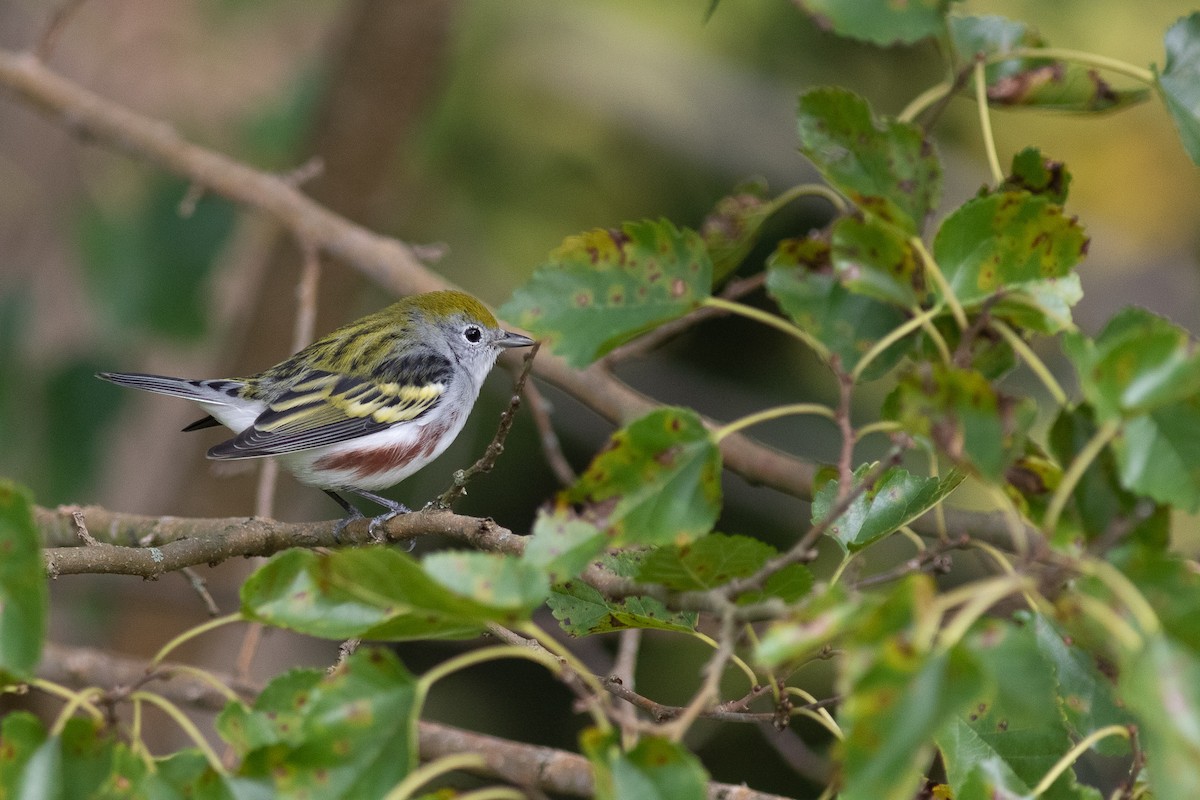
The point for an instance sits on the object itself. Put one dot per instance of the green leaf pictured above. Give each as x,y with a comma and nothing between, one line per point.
788,584
1017,722
886,167
494,580
657,481
562,545
874,259
897,498
1006,242
732,228
24,596
709,561
1139,362
605,287
1086,696
963,415
1161,686
1033,173
1179,81
348,734
654,769
879,21
817,621
1158,457
369,593
1099,499
843,324
34,764
581,611
893,711
1033,82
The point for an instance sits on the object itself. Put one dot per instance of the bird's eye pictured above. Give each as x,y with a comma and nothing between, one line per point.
473,334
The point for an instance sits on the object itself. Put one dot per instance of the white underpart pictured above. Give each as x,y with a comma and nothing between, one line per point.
237,415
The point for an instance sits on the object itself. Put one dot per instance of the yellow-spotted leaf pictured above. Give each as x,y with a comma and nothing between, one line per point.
657,481
886,167
607,286
347,734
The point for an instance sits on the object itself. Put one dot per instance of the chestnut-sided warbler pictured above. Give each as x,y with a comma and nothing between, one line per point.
362,408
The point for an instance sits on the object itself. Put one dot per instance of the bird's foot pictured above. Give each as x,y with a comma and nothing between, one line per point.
376,528
351,515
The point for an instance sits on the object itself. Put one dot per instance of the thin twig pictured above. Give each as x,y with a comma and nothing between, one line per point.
58,23
539,410
81,528
200,586
488,460
846,427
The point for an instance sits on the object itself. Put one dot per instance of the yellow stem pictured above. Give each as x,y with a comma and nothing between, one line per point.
1079,56
758,315
1070,479
1039,368
1125,591
881,426
773,413
737,660
192,633
494,793
924,100
1074,753
77,699
810,190
935,274
893,336
984,598
203,676
1118,628
821,715
185,724
433,770
985,124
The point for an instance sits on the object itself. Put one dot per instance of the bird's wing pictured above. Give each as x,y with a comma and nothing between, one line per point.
322,408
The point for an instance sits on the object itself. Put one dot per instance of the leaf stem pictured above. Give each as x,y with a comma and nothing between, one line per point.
186,725
75,701
985,124
772,413
930,97
893,336
771,320
434,769
1080,57
881,426
810,190
1039,368
472,657
192,633
1117,628
1074,753
821,715
1070,479
981,600
1126,592
737,660
935,273
579,668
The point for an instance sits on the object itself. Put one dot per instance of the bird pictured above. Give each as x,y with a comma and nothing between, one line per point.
362,408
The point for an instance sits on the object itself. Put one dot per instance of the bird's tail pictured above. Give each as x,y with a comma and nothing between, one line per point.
219,391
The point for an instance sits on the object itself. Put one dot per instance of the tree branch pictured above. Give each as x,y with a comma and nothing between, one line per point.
389,262
549,769
132,544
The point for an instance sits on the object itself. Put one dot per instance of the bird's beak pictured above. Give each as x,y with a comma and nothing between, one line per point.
510,339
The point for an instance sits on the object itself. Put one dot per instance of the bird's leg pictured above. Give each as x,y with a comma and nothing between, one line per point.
352,514
394,509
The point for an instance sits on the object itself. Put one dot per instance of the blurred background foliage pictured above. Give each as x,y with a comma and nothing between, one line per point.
496,129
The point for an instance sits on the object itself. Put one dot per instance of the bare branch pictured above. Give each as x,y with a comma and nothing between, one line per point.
389,262
548,769
164,544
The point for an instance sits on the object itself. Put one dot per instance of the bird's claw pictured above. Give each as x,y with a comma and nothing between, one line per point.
343,522
375,529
